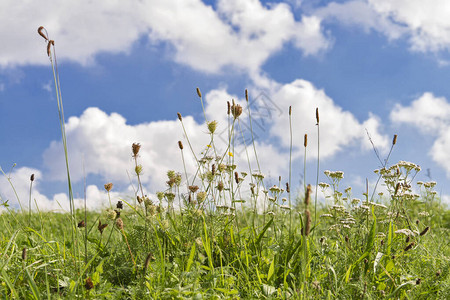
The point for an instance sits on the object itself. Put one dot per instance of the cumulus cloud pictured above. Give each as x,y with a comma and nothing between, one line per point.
427,27
237,33
16,192
430,115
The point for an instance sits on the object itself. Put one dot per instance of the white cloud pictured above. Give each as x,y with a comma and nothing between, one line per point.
425,25
20,180
241,34
430,115
338,128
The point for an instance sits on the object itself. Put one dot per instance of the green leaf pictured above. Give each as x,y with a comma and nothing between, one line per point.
261,234
271,270
191,258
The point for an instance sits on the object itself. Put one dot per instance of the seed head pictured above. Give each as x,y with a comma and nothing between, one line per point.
108,186
138,169
228,107
180,145
308,222
49,45
287,187
409,247
425,230
290,110
199,93
119,223
179,116
41,33
81,224
394,141
24,254
317,115
89,285
220,186
193,188
307,195
236,177
212,126
246,95
236,110
32,177
101,226
201,196
136,147
119,204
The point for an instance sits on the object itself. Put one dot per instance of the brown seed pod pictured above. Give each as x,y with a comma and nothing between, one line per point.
179,116
246,95
24,254
135,147
305,140
199,93
287,187
409,247
101,226
317,115
236,177
290,110
425,231
41,33
89,285
394,141
180,145
108,186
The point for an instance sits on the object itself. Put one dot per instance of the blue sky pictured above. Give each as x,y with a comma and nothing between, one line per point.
127,68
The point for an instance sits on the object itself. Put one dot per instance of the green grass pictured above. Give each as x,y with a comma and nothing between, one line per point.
226,235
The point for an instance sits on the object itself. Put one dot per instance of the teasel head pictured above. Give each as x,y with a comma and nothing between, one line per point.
305,140
179,116
180,145
199,93
136,147
308,195
288,190
317,115
108,187
394,141
32,177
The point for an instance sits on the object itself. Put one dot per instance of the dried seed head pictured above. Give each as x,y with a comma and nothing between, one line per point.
317,115
253,190
24,254
397,187
394,141
212,126
425,231
179,116
81,224
236,110
213,169
180,145
108,187
41,33
287,187
49,45
136,147
119,204
201,196
147,261
101,226
228,107
199,93
305,140
220,186
246,95
236,177
307,222
290,110
32,177
418,281
409,247
193,188
119,223
139,199
307,195
89,285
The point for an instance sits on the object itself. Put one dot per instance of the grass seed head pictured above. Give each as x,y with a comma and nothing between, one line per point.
108,187
307,222
308,195
212,126
41,32
290,110
136,147
394,141
317,116
236,110
49,45
180,145
199,93
305,140
32,177
424,231
24,254
287,187
179,116
246,95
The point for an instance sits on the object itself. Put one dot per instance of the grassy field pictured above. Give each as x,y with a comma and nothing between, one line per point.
227,235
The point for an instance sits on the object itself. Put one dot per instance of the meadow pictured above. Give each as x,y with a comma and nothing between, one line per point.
225,234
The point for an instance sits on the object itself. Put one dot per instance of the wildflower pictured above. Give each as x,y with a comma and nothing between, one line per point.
236,110
286,207
405,231
193,188
170,196
274,189
119,223
138,169
230,153
326,216
323,185
160,195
